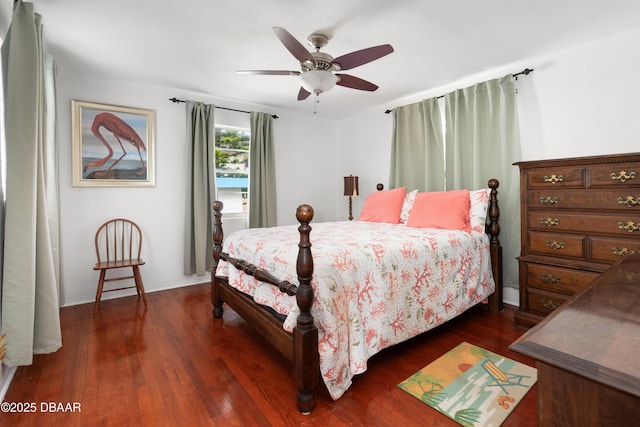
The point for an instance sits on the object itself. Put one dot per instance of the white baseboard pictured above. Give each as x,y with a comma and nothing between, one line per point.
511,296
148,288
6,375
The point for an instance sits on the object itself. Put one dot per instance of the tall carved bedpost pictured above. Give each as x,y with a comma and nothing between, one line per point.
218,237
493,228
305,334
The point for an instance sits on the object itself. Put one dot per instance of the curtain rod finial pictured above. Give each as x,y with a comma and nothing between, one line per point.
525,72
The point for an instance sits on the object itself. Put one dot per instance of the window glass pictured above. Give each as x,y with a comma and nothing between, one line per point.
232,168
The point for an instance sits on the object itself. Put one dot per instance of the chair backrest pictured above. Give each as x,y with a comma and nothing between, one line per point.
118,239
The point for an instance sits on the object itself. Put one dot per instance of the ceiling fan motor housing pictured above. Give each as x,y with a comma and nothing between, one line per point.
323,61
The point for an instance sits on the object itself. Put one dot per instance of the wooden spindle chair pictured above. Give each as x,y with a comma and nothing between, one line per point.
118,245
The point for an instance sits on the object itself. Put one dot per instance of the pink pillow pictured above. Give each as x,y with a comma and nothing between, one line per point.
383,206
441,209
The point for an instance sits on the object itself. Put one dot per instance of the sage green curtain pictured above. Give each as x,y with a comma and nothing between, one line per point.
30,299
417,153
483,141
262,172
198,251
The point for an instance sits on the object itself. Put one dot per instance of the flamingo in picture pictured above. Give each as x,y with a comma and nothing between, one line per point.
120,130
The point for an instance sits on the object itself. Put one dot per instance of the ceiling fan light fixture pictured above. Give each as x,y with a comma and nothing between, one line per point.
318,81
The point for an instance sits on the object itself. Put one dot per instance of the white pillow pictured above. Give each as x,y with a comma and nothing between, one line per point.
478,210
409,198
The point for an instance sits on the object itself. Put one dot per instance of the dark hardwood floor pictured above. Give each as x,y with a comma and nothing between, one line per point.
173,364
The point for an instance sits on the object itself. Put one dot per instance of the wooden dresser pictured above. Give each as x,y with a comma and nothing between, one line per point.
578,216
587,352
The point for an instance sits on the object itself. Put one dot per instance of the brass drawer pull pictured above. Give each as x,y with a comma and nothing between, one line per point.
628,201
550,305
623,251
623,176
549,278
555,244
630,226
553,178
620,251
549,200
549,222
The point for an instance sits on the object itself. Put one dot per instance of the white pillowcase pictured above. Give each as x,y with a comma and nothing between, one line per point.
409,198
478,210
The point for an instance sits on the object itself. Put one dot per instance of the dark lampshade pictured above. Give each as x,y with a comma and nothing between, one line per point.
351,185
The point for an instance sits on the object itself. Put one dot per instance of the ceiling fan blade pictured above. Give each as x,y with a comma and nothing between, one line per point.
303,94
360,57
352,82
270,72
294,46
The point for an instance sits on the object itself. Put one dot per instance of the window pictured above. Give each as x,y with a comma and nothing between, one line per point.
232,168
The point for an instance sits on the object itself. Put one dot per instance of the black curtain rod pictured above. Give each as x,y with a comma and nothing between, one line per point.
176,100
524,72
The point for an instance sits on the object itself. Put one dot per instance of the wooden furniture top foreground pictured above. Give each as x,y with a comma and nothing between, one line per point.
596,334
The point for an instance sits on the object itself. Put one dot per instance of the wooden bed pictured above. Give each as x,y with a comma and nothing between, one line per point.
301,346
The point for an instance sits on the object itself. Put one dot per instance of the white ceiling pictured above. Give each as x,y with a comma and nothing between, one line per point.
197,45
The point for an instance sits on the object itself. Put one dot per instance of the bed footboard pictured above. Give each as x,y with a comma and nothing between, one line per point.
493,230
301,347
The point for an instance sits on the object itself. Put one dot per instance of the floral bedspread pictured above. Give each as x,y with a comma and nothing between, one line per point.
375,284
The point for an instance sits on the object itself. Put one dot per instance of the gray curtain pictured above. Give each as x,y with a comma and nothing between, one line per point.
198,251
30,300
262,172
483,141
417,153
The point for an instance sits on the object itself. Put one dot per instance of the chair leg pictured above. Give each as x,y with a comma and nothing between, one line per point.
136,274
96,305
139,285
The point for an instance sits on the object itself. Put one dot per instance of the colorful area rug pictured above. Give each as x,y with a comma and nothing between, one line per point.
472,386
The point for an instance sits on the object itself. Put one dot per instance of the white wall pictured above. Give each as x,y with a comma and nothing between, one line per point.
306,161
583,101
365,144
160,211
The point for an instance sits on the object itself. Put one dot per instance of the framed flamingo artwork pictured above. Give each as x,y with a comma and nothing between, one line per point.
113,146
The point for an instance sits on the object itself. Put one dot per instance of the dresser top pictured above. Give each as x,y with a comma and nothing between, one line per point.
576,161
596,334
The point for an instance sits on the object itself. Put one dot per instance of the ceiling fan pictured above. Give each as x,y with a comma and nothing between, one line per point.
318,69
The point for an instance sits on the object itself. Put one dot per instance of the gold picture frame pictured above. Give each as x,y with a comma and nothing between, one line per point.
113,146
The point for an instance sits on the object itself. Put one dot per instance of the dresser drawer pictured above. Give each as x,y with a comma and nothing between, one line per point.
560,177
611,249
585,199
558,279
622,224
543,302
618,175
557,244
